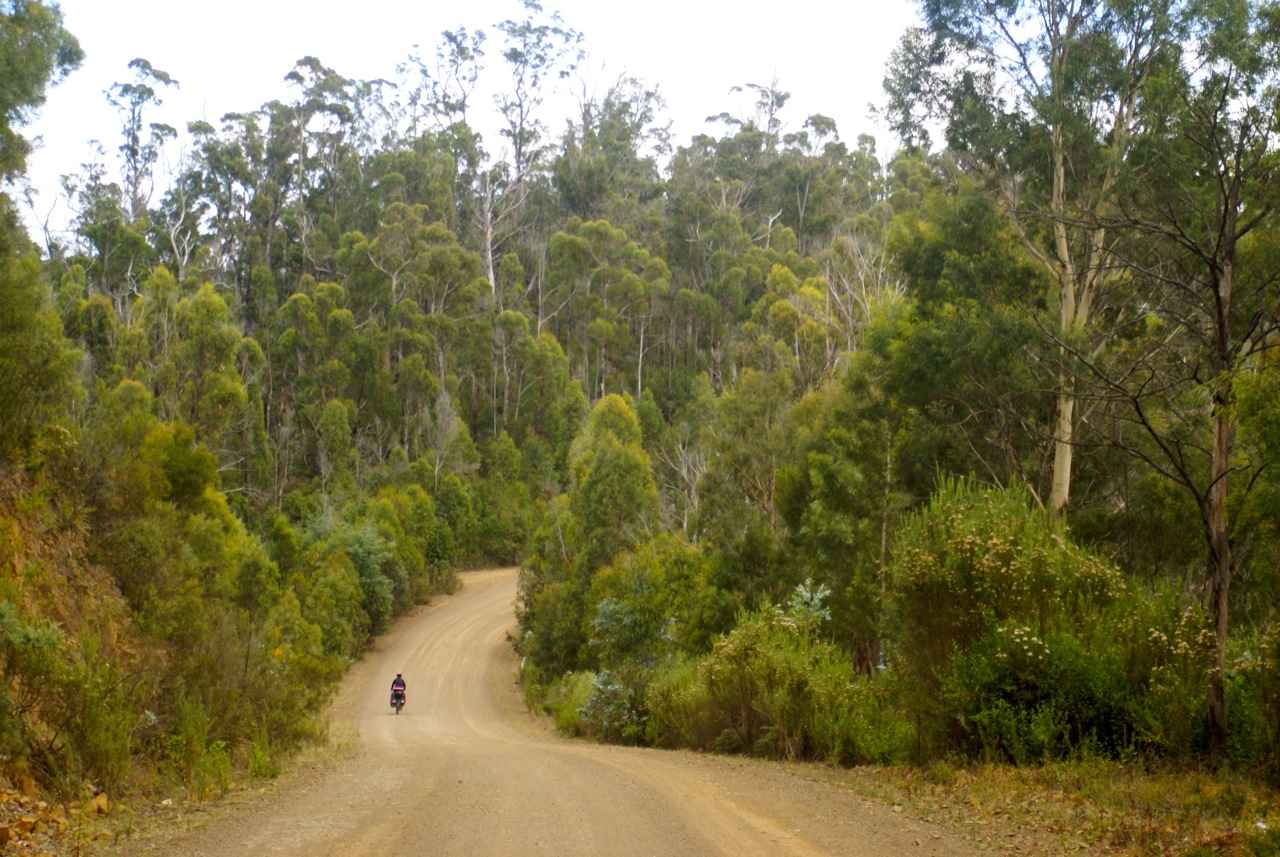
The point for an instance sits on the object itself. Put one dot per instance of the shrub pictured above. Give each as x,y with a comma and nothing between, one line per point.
651,603
978,556
97,713
29,657
771,688
615,710
776,691
566,699
212,770
1167,648
1253,698
680,709
262,760
996,618
1014,697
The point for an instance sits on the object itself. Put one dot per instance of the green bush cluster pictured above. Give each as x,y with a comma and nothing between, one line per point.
240,625
1004,641
769,687
1014,697
1253,695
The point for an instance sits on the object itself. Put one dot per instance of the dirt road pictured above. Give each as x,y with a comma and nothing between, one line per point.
464,770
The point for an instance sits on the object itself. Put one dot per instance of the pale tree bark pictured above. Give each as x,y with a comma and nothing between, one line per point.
1041,55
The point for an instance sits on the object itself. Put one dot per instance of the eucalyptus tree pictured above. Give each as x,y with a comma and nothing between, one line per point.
602,294
1203,264
538,50
37,52
611,506
439,96
119,256
809,182
1045,99
228,173
312,133
434,122
750,440
967,356
143,141
37,363
176,224
607,166
858,276
790,328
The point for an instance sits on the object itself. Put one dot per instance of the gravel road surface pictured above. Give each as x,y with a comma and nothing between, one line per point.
465,771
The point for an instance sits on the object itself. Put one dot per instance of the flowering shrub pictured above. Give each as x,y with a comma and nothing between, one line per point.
978,557
995,614
1015,697
1168,648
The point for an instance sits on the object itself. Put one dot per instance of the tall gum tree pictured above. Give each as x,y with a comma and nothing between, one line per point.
1044,96
143,141
1202,256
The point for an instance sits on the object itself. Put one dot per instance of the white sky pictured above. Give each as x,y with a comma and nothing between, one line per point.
232,55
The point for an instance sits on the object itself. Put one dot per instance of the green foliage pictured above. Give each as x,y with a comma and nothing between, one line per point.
263,763
36,362
1017,645
1014,697
1254,696
36,51
1166,649
612,498
976,558
29,654
771,688
675,402
97,710
807,607
1262,837
504,507
332,596
680,710
646,610
566,700
654,602
368,554
456,510
612,711
212,770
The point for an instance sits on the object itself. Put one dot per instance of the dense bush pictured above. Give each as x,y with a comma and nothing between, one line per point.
1015,697
30,657
611,502
1253,690
994,613
1007,642
771,688
977,557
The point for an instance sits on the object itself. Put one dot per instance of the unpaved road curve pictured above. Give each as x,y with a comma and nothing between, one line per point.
465,771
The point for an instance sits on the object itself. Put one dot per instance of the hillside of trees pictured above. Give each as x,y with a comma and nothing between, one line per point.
805,450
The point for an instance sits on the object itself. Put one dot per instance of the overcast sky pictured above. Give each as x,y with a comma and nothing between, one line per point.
232,55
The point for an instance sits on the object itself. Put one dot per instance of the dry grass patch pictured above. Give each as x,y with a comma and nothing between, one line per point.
1089,807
